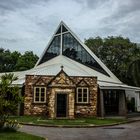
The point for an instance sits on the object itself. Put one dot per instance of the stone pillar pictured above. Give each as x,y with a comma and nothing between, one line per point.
71,105
122,104
102,103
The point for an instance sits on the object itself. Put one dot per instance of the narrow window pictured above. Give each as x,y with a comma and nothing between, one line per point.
39,94
82,95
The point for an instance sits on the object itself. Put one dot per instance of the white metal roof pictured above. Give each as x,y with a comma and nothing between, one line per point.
83,45
108,85
72,68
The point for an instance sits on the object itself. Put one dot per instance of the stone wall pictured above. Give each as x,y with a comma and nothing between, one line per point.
89,109
60,83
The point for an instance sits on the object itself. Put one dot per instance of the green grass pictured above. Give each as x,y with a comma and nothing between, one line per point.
18,136
77,121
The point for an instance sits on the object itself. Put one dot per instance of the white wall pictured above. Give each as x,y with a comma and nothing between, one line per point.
134,94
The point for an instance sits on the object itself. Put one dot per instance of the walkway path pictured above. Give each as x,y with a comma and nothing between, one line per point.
130,131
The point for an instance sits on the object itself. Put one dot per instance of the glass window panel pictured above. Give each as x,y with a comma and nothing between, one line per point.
37,89
37,99
79,90
37,94
74,50
79,95
79,99
64,29
85,90
53,50
42,99
42,94
42,89
59,30
85,95
84,99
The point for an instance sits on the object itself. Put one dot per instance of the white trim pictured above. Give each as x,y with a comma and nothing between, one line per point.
61,41
40,87
82,88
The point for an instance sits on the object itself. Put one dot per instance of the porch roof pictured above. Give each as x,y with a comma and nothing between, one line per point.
108,85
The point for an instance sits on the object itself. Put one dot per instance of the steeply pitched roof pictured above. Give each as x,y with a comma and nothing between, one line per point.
66,49
65,42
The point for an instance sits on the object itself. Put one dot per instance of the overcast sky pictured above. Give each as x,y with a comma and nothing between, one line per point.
29,24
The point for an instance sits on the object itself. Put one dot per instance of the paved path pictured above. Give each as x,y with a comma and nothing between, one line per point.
129,131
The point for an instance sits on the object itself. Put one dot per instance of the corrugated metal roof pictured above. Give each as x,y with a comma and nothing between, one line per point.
71,67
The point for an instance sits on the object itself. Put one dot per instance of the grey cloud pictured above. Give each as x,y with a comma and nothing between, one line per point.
12,5
2,39
125,9
95,3
92,4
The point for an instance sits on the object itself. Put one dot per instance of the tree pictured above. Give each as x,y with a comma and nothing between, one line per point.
133,72
9,97
26,61
8,60
14,61
116,52
95,44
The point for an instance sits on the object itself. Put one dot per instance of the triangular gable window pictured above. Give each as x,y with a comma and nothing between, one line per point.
58,31
74,50
64,43
53,50
64,29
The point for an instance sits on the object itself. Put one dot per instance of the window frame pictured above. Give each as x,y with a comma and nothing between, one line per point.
82,88
40,87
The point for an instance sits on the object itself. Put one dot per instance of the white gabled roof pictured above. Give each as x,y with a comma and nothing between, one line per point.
72,68
84,46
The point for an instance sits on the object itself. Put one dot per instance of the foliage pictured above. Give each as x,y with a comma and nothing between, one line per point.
116,52
133,72
26,61
15,61
11,125
9,98
18,136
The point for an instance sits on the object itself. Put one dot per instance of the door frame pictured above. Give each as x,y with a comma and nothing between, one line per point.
67,104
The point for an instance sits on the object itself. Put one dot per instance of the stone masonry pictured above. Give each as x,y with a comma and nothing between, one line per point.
61,83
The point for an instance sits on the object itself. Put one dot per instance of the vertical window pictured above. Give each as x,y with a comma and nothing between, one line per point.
82,95
39,94
53,50
74,50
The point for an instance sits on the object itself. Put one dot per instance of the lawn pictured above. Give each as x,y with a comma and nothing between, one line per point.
18,136
77,121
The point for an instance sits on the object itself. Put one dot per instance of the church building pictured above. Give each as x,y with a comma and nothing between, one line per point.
70,81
